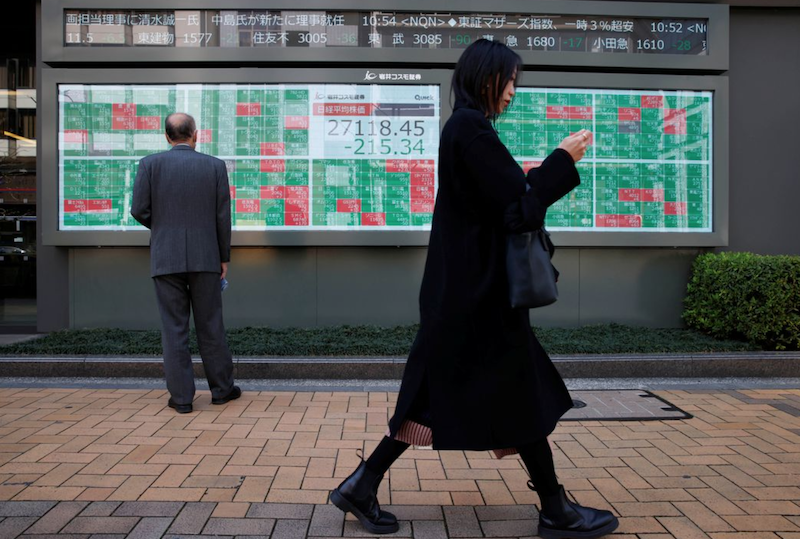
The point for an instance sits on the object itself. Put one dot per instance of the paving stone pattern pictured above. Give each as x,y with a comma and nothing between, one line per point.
119,463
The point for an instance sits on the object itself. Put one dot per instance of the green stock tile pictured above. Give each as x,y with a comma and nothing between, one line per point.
696,207
654,220
274,219
296,148
421,219
295,95
296,178
343,219
75,109
650,153
696,195
245,150
653,208
556,98
248,165
699,128
700,154
248,192
557,220
347,192
629,101
604,127
606,207
627,140
675,221
73,219
607,194
272,178
372,206
652,126
76,122
272,114
272,206
295,135
245,179
99,124
580,206
397,191
698,221
248,122
74,192
605,100
398,179
394,205
580,100
629,208
324,206
296,109
554,139
398,219
297,165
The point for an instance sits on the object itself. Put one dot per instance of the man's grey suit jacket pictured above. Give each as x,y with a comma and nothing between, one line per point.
183,197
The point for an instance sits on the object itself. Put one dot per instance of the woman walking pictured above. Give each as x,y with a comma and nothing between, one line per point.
476,376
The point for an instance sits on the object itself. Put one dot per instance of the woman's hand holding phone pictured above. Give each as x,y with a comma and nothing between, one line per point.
576,144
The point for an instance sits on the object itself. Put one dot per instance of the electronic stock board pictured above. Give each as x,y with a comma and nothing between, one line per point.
341,156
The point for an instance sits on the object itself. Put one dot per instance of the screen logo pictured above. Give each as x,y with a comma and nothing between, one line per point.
389,76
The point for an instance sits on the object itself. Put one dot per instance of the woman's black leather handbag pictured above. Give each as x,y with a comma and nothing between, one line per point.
531,275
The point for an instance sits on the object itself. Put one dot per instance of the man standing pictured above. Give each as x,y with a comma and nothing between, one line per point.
183,197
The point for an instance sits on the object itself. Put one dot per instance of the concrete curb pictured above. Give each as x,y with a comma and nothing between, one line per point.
740,364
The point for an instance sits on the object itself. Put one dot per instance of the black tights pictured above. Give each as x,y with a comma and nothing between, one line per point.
537,458
388,451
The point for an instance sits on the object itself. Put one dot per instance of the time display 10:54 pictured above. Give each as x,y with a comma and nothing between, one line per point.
379,137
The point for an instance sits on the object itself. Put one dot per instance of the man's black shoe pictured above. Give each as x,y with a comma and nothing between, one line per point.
180,408
233,395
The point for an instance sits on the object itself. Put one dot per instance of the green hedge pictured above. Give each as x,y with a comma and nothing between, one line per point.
746,296
371,341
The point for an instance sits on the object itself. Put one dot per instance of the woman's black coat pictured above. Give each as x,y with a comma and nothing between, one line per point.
487,381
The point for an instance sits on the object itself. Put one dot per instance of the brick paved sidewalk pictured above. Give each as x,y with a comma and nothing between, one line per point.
119,463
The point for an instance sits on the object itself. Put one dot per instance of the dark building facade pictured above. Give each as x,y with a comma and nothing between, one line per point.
311,278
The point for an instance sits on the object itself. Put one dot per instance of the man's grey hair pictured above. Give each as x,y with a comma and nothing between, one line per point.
180,126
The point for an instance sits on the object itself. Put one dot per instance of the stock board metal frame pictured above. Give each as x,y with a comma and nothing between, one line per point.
55,53
51,78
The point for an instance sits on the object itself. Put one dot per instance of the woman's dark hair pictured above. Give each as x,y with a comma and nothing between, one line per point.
179,126
482,72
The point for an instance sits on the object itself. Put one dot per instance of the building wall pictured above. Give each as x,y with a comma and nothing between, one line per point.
764,119
305,287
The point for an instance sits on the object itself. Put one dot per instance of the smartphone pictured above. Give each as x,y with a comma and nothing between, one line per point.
223,283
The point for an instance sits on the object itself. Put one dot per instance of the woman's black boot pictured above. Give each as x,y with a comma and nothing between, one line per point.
562,519
358,494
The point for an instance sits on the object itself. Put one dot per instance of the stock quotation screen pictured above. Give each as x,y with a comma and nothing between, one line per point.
364,157
649,167
299,156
